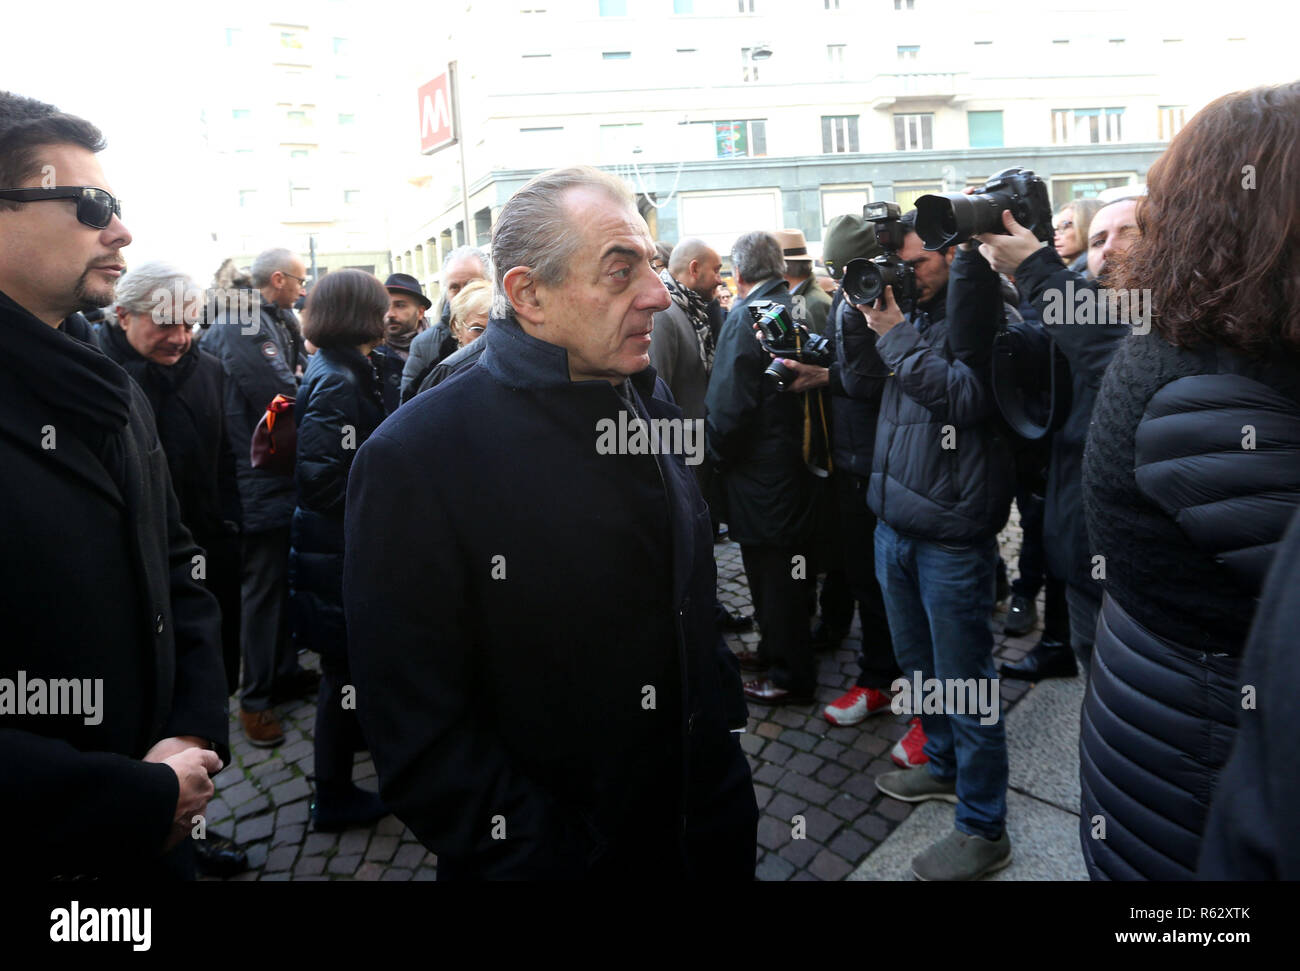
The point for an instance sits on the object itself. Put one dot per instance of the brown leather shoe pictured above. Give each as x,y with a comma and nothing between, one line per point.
262,728
750,661
766,692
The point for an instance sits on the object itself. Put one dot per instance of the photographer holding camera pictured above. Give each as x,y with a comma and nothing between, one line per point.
758,437
1088,345
940,486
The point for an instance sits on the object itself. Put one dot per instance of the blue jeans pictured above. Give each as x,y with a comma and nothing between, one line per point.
939,598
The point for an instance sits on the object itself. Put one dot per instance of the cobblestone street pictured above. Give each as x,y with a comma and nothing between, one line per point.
802,765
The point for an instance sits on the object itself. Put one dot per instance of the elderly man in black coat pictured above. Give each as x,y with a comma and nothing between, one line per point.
112,696
756,434
529,593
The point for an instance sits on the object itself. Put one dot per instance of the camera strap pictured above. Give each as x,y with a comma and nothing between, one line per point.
1013,400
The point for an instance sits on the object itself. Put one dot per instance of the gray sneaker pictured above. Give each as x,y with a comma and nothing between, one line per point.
916,785
959,856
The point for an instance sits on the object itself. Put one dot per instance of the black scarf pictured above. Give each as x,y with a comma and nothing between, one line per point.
697,311
74,383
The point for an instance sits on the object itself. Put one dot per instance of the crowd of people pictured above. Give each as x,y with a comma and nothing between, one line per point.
524,629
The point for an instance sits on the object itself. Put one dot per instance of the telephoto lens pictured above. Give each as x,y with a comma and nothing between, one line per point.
946,219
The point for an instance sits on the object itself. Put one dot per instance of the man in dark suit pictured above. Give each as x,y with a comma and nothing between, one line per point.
530,594
756,435
112,694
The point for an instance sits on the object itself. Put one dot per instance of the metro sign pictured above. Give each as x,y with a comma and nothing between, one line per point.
436,128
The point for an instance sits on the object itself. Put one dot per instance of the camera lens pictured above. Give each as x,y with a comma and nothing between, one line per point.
954,217
863,282
780,375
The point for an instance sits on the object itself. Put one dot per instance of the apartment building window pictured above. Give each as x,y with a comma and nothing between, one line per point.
748,66
1172,119
745,6
1087,126
299,197
292,39
296,118
616,55
613,8
342,45
683,6
908,52
904,4
831,4
247,198
906,193
984,128
234,36
912,132
351,197
347,119
735,139
241,114
839,133
835,61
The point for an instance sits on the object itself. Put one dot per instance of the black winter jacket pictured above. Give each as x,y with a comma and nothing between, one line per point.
1185,506
1088,348
942,469
1253,832
512,594
188,403
339,406
755,433
258,366
429,349
453,364
857,383
96,582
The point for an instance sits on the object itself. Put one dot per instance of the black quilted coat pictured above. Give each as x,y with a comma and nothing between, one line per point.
1191,474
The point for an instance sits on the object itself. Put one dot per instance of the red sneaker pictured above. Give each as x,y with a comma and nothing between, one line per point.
907,753
856,706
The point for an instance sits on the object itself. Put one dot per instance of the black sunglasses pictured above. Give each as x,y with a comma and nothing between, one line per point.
95,207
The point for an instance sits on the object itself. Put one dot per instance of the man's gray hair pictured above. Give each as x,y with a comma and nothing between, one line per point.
460,252
268,261
757,256
534,228
143,287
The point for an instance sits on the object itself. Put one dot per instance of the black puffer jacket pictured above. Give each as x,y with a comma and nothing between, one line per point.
338,408
755,433
942,469
261,360
857,382
1191,474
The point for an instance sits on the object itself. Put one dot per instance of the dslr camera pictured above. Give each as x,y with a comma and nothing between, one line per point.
865,280
781,336
953,217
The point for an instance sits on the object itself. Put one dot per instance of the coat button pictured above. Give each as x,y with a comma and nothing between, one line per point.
158,624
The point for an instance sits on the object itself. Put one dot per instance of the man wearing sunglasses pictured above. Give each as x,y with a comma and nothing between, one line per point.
112,708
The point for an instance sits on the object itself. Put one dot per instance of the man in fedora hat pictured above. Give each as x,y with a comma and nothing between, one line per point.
407,305
811,302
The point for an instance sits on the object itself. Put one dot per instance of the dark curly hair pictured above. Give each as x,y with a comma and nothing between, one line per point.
1220,224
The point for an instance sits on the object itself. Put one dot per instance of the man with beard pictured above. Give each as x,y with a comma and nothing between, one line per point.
407,305
96,567
1088,345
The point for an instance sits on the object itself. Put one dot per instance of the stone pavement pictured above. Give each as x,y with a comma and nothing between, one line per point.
802,766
